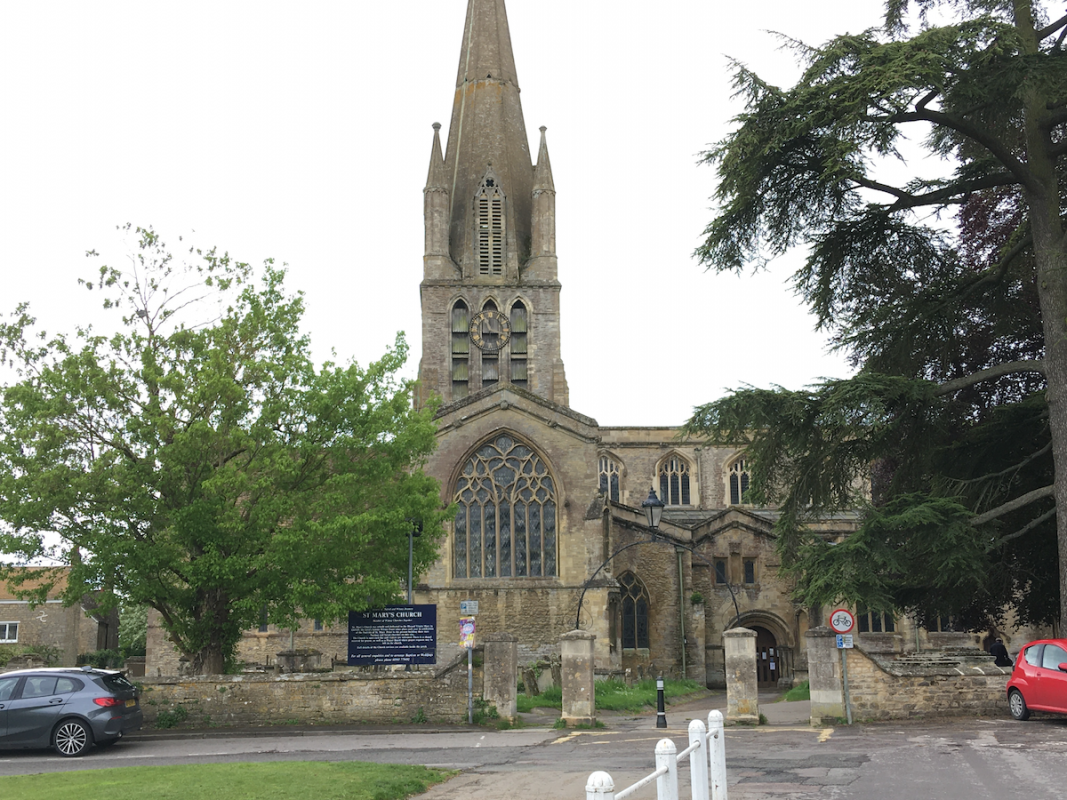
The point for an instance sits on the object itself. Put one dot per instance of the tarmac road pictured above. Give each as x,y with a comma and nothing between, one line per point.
956,759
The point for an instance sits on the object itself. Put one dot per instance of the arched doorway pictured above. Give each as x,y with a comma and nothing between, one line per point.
768,659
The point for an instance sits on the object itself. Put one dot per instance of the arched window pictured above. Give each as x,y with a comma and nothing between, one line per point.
491,353
489,226
609,477
461,350
634,611
506,520
738,482
520,328
674,481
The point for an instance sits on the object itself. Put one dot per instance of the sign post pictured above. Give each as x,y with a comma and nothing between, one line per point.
842,622
466,639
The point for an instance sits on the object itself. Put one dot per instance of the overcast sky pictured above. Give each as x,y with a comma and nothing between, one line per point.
302,132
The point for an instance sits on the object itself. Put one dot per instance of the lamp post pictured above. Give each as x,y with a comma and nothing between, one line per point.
653,507
416,530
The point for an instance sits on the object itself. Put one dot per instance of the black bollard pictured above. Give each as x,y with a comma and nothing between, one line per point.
661,715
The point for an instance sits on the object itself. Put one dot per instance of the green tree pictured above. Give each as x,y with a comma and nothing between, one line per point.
958,412
197,462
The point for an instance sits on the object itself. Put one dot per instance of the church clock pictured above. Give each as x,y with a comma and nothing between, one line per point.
490,330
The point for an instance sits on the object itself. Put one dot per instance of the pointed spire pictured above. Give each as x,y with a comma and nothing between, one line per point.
487,127
486,51
437,178
543,171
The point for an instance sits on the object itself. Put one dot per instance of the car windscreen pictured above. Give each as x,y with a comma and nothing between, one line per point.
117,683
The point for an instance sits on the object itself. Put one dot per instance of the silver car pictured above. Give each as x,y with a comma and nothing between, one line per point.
66,708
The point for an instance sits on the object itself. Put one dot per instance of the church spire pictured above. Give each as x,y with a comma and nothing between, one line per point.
435,210
487,127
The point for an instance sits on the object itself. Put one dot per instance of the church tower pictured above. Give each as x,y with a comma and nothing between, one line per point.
490,294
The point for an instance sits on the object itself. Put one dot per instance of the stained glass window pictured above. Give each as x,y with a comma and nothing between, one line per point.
506,519
634,611
674,481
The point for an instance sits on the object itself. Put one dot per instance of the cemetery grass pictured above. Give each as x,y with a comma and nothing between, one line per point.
323,780
615,695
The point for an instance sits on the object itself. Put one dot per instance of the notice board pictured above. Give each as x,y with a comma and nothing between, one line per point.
393,635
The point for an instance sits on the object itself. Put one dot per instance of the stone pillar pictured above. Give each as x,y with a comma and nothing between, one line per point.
500,681
824,676
742,696
579,693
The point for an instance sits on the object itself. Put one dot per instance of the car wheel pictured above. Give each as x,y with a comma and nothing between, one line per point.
1017,705
72,738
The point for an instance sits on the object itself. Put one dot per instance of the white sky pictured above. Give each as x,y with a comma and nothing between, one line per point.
302,131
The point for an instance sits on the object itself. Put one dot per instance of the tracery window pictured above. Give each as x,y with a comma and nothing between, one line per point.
634,611
738,482
506,521
674,481
520,329
489,226
461,350
609,477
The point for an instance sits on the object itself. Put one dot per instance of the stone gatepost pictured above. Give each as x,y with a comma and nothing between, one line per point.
824,676
500,681
579,693
742,696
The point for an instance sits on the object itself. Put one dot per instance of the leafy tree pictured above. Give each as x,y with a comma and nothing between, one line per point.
197,462
958,412
133,629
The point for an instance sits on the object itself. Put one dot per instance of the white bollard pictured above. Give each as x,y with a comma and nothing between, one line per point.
717,755
667,758
698,760
600,786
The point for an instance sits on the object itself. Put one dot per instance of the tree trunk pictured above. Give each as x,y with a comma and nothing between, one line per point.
1042,193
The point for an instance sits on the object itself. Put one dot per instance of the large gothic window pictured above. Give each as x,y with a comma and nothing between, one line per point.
489,226
634,611
674,481
609,477
461,349
738,482
506,520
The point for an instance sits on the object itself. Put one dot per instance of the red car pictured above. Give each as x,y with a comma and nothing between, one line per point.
1039,680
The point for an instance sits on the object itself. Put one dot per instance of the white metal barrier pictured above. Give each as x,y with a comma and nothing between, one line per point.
707,767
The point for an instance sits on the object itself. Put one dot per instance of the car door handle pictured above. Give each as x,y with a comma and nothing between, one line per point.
55,701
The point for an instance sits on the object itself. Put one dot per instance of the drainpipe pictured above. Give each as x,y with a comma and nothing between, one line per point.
681,608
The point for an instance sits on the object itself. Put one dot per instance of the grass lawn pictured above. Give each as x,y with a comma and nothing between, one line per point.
322,780
615,695
802,691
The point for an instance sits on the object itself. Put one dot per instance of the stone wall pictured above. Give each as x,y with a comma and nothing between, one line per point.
882,687
331,698
929,685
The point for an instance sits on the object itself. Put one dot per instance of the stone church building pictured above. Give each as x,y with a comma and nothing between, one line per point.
544,494
549,533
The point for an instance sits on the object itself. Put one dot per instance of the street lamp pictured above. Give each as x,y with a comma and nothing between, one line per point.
653,507
416,530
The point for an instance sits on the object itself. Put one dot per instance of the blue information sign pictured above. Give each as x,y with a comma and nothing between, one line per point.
393,635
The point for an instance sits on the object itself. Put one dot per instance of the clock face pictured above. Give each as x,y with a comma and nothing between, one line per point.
490,330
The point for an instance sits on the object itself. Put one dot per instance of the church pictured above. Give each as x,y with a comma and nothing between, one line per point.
550,532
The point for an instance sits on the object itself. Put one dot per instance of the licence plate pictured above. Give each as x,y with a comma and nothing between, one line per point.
131,703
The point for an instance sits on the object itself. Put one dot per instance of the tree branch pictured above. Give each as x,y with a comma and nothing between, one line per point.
999,151
1023,530
1010,470
991,373
1014,505
943,195
1050,29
